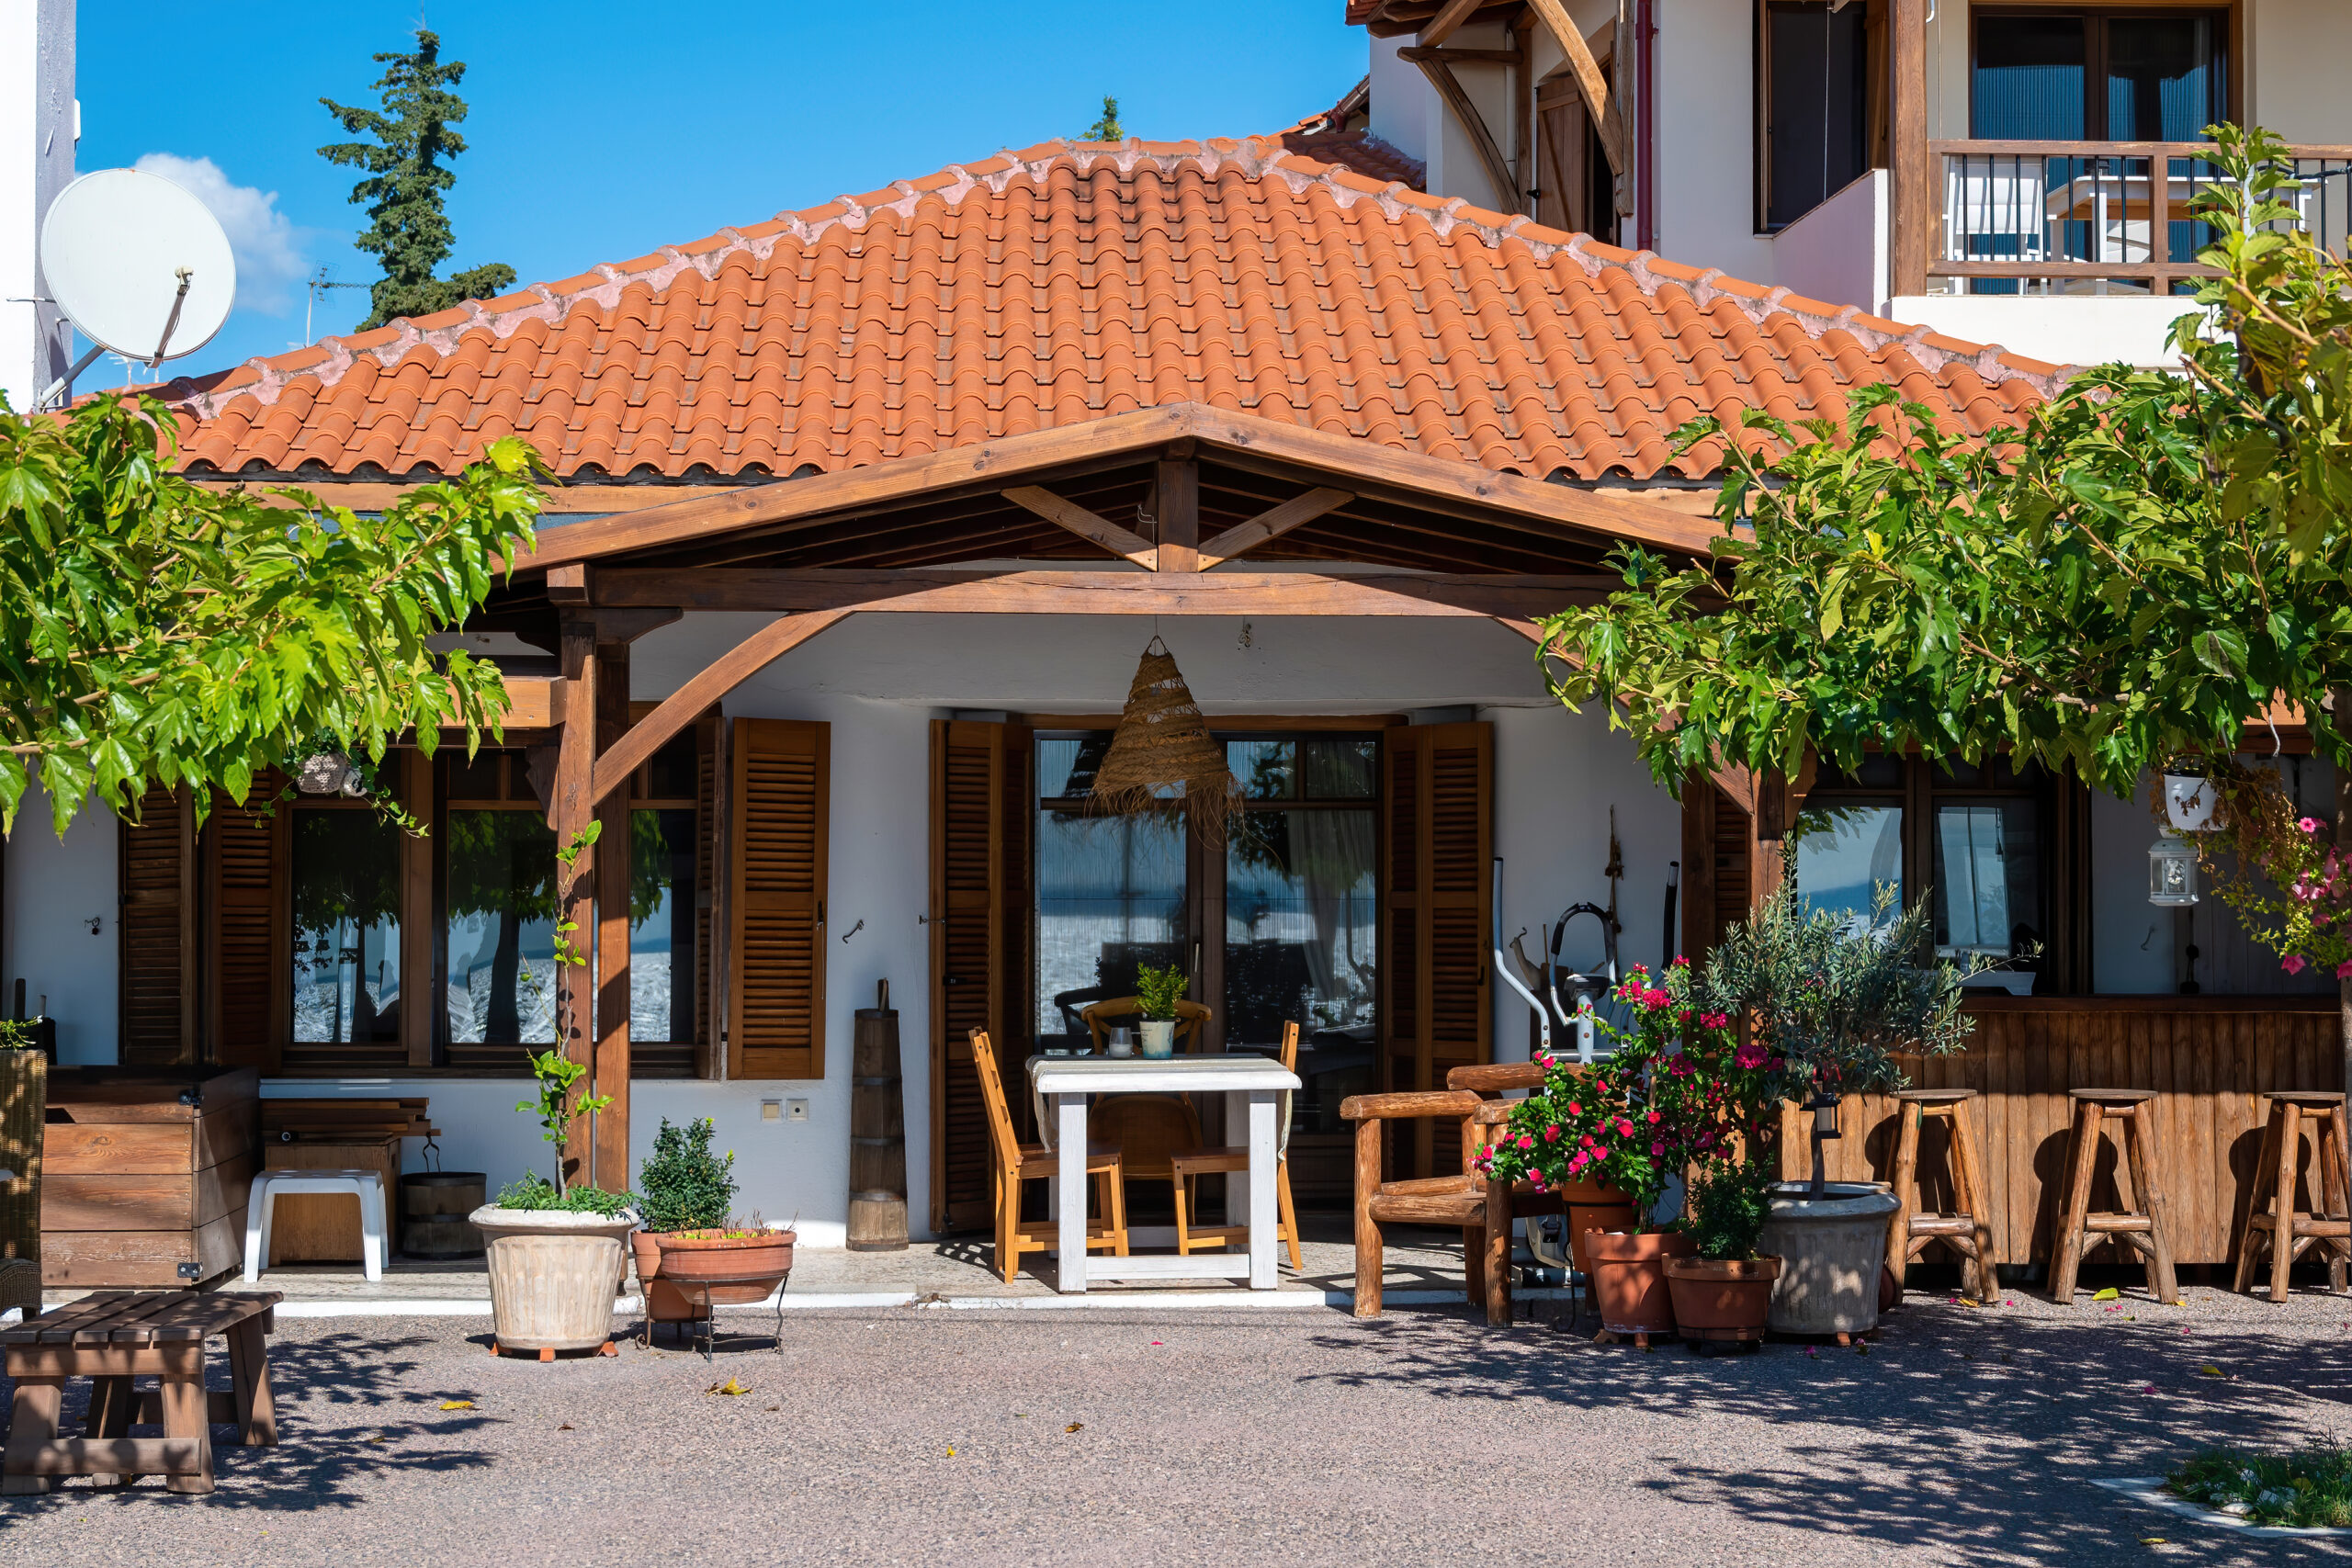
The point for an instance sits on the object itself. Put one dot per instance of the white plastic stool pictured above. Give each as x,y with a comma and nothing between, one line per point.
365,1185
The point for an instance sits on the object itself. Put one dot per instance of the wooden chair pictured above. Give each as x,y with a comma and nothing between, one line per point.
1231,1161
1099,1016
1149,1130
1966,1229
2146,1230
2271,1215
1013,1162
1482,1211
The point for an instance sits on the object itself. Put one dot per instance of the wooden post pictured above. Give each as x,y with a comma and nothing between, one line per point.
418,1001
609,1129
1180,515
1909,199
1775,807
569,816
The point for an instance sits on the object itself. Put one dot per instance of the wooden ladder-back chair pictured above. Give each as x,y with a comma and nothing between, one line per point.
1229,1161
1099,1016
1013,1162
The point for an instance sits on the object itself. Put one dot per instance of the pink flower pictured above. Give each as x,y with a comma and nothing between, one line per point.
2309,824
1749,1056
1573,1109
1624,1128
1587,1140
1551,1135
1526,1142
2344,970
1715,1019
1656,1117
1657,1149
2292,964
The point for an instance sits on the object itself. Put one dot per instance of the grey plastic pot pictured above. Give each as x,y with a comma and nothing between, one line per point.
1833,1249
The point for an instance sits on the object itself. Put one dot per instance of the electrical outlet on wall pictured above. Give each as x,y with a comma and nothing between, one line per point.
795,1111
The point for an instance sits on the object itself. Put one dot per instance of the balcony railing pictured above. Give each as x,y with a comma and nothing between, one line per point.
2097,216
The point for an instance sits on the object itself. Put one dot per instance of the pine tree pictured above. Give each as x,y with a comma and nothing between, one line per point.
408,174
1108,128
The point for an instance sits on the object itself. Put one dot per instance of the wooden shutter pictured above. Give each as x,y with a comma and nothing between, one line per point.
1561,130
1437,855
252,998
1718,856
777,995
982,810
157,926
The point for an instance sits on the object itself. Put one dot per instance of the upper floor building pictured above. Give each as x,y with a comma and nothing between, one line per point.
2019,173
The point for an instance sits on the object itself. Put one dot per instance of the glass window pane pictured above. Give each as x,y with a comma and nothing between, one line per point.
501,933
661,902
1268,769
673,770
1110,898
1843,852
2028,81
1988,883
346,927
1300,946
1067,765
1817,132
1339,769
2163,80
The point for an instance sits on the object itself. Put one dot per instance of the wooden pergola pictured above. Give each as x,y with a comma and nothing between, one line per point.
1177,511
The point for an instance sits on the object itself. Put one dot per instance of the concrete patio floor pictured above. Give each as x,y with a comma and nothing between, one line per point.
1965,1434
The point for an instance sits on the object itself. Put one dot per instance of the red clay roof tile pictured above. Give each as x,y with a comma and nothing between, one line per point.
1071,282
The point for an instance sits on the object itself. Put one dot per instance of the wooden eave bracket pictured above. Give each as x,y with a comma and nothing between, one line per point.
1490,156
1591,82
1086,525
1272,523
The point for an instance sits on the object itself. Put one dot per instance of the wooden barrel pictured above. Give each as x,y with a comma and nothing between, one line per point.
434,1206
877,1133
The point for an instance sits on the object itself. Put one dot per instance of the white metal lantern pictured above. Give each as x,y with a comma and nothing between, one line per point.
2172,873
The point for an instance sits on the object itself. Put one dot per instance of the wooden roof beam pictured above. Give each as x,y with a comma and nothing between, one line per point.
1272,523
1508,195
1448,20
1086,525
1591,83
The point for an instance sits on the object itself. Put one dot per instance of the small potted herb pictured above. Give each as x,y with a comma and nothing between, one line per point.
1157,993
555,1249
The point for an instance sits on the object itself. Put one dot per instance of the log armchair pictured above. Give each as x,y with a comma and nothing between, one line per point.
1463,1200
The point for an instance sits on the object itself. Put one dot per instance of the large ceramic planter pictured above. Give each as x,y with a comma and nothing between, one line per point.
1629,1286
735,1270
553,1276
1833,1250
1727,1299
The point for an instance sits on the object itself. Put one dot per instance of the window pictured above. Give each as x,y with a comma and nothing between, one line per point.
662,945
2098,76
1815,101
1112,891
1848,839
346,889
498,893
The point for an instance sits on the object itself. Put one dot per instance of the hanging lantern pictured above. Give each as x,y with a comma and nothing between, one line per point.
1162,759
2171,871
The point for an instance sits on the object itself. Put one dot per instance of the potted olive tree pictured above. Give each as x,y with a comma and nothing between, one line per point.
556,1249
1832,999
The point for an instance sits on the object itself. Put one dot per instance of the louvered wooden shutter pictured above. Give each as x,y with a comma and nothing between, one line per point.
1437,852
251,919
776,1002
157,925
982,812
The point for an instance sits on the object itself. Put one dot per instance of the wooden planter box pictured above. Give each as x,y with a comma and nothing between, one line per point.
145,1176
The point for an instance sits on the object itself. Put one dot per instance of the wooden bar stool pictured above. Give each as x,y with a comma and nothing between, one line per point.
2145,1229
2272,1206
1965,1228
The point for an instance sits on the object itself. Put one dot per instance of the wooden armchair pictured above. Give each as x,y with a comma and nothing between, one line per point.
1012,1162
1463,1200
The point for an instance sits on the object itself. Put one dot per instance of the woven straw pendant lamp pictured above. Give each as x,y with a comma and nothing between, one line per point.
1162,759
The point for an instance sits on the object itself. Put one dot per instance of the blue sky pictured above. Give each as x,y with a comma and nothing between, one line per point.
600,132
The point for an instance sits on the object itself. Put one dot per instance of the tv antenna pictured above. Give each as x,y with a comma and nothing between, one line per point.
139,266
317,284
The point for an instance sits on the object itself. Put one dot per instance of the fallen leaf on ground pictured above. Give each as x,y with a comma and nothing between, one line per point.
457,1405
2210,1370
951,1453
2147,1388
2108,1294
1970,1301
731,1388
1157,1341
1075,1426
775,1407
565,1427
2154,1540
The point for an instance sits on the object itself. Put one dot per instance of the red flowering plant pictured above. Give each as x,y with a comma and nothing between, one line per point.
1629,1120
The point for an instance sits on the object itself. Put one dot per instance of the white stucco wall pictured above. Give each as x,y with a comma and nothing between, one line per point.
53,890
1838,252
2058,330
1706,138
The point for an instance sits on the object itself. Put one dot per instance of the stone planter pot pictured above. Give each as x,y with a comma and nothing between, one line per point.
1725,1300
553,1276
1160,1037
1629,1287
1833,1250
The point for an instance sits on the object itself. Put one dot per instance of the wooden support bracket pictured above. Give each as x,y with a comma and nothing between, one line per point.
1273,522
1591,83
1490,156
1085,524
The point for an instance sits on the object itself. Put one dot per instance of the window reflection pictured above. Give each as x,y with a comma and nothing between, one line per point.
501,931
1110,898
1987,879
662,896
346,927
1843,852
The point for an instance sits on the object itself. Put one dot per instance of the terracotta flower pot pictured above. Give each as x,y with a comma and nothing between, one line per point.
1724,1299
738,1271
665,1303
1629,1282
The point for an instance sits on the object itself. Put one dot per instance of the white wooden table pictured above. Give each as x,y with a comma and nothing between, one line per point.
1252,1086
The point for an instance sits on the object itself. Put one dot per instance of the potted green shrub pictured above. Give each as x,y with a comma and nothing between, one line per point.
687,1194
556,1250
1832,999
1157,993
1724,1293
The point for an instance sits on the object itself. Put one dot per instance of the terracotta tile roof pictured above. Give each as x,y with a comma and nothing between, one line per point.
1071,282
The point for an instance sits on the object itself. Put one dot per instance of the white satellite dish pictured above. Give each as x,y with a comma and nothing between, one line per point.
139,266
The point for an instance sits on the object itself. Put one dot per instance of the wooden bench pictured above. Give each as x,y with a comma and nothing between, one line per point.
112,1336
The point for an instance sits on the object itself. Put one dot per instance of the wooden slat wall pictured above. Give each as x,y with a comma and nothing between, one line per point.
982,807
158,957
1437,852
2209,1058
777,1011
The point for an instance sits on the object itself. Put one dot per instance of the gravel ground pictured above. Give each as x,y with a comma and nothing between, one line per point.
1143,1437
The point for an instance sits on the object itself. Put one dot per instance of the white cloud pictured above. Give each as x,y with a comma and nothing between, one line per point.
269,248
